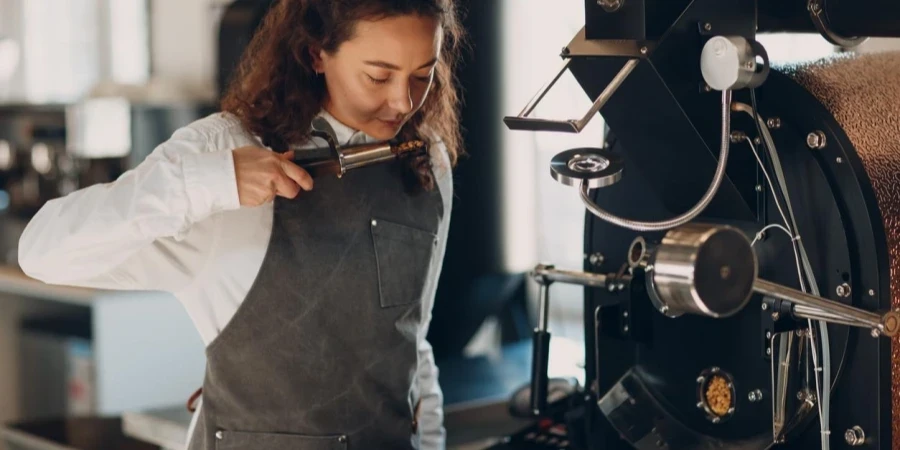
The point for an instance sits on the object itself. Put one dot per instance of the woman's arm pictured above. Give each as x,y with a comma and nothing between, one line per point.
81,239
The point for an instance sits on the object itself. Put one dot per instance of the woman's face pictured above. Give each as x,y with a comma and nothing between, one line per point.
378,79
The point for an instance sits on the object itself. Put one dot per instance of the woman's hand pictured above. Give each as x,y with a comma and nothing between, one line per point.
262,174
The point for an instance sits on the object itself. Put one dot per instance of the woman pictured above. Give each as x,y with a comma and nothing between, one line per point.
314,301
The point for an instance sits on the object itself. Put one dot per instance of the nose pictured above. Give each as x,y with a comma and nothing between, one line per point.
400,98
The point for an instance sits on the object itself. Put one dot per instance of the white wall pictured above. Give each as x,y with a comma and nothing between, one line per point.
183,42
548,217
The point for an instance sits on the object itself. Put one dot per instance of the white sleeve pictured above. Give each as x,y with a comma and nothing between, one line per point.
431,420
83,238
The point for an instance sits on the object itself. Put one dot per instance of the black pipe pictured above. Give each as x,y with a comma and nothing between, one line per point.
540,361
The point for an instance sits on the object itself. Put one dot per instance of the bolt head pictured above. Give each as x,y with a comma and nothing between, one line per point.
815,140
773,122
764,306
769,351
759,188
643,50
716,420
872,292
664,309
839,160
768,335
843,290
610,5
707,26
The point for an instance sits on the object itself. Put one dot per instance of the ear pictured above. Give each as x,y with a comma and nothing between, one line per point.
317,56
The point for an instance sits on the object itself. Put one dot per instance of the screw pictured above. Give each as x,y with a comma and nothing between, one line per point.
815,140
699,405
843,290
625,328
769,351
773,123
596,259
764,306
219,435
759,188
855,436
839,160
565,50
643,50
707,26
750,64
716,420
755,396
611,5
700,379
768,335
872,292
664,309
757,140
737,136
624,313
875,332
776,315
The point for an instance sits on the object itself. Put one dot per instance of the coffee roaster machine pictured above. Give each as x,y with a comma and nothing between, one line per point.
748,219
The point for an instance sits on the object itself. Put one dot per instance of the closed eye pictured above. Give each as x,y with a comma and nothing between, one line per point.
377,80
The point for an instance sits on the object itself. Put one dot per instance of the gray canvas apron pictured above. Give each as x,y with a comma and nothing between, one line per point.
322,353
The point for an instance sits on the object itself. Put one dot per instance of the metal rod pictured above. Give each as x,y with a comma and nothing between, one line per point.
864,318
809,312
544,307
544,89
547,275
611,89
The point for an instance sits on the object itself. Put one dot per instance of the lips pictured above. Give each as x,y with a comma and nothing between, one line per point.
391,123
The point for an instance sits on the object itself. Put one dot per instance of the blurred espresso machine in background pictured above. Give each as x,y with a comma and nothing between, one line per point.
79,103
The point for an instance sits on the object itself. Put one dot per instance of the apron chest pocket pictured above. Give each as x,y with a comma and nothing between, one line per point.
403,257
241,440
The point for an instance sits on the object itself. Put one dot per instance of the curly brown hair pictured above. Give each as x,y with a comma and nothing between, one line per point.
275,92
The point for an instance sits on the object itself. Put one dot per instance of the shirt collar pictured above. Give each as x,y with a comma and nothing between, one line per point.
343,133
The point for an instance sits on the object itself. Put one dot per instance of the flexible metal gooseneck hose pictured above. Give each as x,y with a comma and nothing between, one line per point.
690,214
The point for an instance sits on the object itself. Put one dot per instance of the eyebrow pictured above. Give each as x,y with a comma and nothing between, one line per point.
390,66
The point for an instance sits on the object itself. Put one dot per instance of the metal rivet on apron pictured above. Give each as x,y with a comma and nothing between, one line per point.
374,222
219,435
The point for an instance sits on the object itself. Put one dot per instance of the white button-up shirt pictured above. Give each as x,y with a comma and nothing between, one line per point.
174,223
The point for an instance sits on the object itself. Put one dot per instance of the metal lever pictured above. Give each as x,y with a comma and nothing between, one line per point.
813,307
523,122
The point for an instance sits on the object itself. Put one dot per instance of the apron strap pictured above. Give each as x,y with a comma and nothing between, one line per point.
192,401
